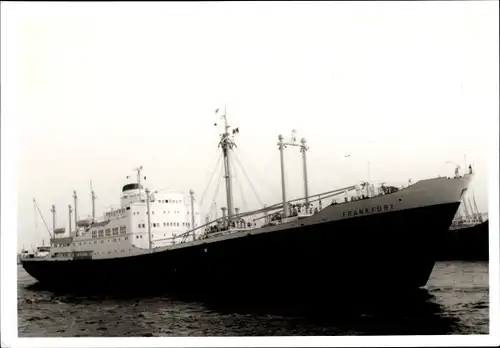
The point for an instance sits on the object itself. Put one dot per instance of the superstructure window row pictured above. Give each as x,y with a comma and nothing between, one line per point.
166,224
109,231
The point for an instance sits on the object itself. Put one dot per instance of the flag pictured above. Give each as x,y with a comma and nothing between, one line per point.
128,177
144,178
236,130
217,110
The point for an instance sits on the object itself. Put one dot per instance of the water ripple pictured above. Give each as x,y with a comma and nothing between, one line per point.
456,300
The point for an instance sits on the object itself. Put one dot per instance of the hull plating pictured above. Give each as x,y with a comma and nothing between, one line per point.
366,252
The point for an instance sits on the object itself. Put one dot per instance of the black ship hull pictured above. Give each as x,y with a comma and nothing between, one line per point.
465,244
395,250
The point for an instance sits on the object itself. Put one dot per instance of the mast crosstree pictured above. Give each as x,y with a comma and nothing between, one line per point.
303,149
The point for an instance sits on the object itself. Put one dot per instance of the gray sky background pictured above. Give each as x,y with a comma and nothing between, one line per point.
103,88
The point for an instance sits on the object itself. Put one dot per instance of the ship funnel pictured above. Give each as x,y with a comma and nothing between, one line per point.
237,210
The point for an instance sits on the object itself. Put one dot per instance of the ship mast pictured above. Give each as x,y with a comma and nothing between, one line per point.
479,215
92,192
303,149
138,170
471,209
464,206
69,216
227,144
149,218
475,205
53,210
281,145
191,193
76,212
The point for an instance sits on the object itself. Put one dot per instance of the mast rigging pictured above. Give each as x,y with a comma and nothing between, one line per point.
47,227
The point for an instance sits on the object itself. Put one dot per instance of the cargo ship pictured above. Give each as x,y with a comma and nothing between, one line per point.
356,237
468,236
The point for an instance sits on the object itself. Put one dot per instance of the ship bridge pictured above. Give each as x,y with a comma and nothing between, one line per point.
132,193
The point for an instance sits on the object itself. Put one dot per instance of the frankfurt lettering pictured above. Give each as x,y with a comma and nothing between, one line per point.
365,211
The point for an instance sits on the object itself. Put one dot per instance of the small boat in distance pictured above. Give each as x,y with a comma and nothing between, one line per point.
468,236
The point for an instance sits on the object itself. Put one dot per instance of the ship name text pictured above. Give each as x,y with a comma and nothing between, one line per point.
365,211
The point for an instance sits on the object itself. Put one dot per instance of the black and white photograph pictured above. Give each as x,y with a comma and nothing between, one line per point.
249,173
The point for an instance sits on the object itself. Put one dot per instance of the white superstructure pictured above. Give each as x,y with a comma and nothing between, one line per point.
130,229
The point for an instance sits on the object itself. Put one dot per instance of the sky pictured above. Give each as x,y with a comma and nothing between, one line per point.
99,89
